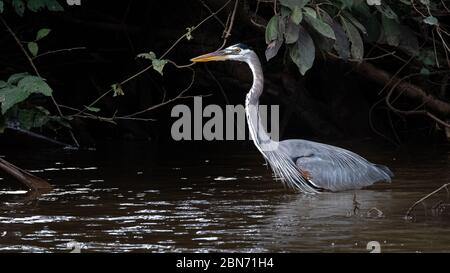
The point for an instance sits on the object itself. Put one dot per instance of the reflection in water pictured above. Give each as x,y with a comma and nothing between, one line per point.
214,204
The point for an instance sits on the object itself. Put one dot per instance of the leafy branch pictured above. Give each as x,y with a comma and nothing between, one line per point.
90,111
158,64
46,89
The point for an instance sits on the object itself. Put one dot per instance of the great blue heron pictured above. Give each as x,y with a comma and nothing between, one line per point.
302,165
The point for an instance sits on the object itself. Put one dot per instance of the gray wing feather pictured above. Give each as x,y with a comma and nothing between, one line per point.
334,168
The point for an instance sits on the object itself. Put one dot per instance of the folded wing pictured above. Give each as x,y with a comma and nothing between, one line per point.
333,168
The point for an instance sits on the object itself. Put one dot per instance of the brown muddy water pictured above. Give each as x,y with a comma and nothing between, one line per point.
216,201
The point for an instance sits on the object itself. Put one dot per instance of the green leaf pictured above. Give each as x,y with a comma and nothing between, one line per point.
303,53
149,56
392,31
33,48
273,48
310,11
374,29
92,109
19,87
32,118
431,20
297,15
292,4
342,45
19,7
34,84
36,5
285,13
159,65
357,45
15,78
320,26
427,57
387,11
346,3
291,33
118,91
355,22
425,71
42,33
53,5
272,29
361,8
10,96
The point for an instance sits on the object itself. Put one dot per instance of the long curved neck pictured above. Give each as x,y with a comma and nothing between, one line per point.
258,80
257,130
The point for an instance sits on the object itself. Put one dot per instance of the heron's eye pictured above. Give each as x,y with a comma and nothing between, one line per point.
237,50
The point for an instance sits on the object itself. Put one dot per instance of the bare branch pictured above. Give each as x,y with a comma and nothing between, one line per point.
409,212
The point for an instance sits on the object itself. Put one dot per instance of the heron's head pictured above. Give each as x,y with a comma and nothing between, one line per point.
238,52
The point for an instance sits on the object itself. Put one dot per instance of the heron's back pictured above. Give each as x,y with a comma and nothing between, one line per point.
333,168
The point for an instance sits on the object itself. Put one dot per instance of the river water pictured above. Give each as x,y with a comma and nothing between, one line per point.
127,199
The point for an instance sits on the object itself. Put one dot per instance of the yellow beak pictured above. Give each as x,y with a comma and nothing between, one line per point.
215,56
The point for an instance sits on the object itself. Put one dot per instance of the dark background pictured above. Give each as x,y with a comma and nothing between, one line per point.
331,103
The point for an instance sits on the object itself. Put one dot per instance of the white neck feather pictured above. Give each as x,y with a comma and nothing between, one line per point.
257,130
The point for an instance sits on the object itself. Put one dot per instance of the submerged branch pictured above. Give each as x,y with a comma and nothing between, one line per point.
32,182
409,212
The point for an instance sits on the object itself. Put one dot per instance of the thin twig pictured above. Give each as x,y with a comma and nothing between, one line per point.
181,38
19,43
133,116
366,59
412,112
372,125
179,96
396,74
445,6
222,90
211,11
408,213
230,24
59,51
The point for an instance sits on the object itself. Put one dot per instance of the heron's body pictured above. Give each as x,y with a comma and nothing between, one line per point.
333,168
306,166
